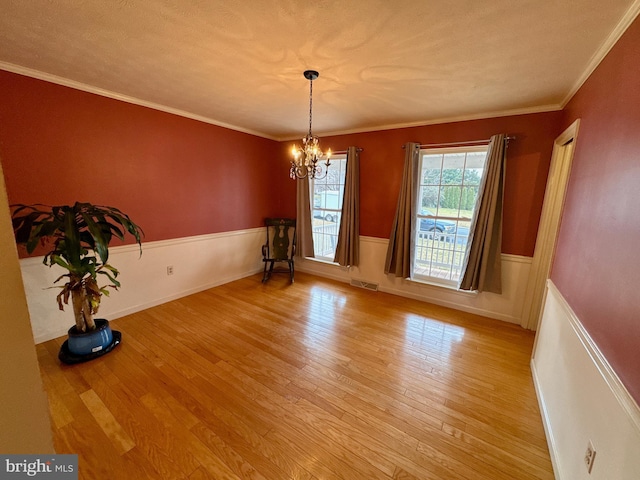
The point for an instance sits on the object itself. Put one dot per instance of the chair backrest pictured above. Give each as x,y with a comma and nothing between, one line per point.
281,238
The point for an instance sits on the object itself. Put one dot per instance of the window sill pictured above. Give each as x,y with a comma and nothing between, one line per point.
446,286
324,261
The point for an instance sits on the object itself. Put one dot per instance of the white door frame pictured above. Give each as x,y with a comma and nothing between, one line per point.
552,207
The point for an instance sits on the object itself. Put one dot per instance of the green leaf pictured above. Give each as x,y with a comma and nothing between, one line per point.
100,244
111,269
112,278
79,238
71,235
56,259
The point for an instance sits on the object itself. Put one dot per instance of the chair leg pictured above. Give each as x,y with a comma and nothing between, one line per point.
266,274
291,269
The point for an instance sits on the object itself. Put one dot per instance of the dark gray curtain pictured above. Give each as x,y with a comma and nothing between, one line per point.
482,266
348,246
304,229
399,260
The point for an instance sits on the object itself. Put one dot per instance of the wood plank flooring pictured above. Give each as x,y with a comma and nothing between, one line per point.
315,380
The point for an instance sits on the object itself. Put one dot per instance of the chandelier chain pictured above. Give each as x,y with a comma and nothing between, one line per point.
305,162
310,104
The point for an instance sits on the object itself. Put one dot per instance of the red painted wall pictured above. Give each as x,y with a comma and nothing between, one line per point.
178,177
597,264
528,159
174,176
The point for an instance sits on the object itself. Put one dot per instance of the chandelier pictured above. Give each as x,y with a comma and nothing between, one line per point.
305,158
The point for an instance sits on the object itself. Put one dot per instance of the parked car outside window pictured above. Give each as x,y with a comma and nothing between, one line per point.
435,225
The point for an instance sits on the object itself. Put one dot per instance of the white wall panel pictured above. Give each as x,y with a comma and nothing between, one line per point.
582,400
206,261
198,263
373,252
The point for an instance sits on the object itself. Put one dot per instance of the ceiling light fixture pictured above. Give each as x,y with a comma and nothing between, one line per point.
305,158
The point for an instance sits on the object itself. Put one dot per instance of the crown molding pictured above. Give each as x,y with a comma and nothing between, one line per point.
437,121
48,77
626,20
624,23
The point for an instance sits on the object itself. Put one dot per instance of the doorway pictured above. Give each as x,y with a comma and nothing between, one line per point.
561,159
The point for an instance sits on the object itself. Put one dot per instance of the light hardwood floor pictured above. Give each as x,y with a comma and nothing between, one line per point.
315,380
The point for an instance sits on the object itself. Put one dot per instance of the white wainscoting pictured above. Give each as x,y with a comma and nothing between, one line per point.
198,262
582,399
206,261
373,252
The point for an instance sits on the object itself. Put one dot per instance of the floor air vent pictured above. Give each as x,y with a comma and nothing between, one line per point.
362,284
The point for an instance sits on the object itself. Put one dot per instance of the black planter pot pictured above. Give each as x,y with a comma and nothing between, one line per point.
85,346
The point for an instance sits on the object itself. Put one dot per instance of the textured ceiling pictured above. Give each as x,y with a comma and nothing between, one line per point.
382,63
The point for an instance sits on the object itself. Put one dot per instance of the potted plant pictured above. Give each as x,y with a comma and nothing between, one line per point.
76,237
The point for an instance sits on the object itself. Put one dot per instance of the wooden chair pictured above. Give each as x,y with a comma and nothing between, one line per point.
280,246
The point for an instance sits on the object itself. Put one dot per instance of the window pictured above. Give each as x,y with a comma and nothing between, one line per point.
447,197
326,208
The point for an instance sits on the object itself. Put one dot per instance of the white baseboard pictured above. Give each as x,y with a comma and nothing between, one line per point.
546,423
582,399
174,296
458,303
506,307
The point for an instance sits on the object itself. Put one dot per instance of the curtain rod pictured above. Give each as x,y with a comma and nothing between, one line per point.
342,152
453,144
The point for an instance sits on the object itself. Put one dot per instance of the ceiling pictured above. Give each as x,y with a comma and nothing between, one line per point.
382,63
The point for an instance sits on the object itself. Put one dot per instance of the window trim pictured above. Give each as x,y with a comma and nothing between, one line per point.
416,218
318,258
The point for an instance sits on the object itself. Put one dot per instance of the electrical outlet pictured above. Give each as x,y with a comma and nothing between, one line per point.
589,456
170,270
